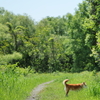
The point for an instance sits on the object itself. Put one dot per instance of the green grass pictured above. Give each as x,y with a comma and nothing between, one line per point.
18,88
16,84
55,91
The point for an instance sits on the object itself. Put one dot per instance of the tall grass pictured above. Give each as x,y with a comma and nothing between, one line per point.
17,83
18,88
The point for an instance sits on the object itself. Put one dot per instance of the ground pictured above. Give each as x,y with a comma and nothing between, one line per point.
34,93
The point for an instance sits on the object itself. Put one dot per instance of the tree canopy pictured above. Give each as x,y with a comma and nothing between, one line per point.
68,43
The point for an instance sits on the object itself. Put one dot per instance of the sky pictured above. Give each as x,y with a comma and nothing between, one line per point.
39,9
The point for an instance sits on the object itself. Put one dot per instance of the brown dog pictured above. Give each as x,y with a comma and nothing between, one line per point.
69,87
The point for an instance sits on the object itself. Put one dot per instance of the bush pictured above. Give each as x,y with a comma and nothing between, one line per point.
5,59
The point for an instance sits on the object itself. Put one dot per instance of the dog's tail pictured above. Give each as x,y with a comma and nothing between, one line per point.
64,82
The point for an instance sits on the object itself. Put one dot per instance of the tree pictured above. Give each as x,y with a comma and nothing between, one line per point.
77,35
19,30
4,39
92,28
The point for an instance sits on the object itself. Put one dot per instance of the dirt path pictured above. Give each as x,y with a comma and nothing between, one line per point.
34,94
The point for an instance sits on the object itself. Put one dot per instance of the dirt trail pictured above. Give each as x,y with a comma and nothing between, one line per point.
34,94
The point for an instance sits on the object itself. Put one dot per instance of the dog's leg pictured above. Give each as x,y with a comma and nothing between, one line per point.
67,91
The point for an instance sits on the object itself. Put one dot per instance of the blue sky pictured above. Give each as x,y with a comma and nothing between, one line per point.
39,9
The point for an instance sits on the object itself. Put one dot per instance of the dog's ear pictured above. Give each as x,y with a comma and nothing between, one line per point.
84,83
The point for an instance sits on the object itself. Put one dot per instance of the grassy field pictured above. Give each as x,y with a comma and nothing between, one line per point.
55,91
14,87
17,86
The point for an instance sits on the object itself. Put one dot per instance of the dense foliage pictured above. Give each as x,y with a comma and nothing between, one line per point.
69,43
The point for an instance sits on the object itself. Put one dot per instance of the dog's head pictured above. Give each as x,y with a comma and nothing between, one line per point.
84,84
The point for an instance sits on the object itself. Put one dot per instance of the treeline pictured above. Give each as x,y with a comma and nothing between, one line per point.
69,43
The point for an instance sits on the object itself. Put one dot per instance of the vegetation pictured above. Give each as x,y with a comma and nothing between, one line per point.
55,91
17,83
70,43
